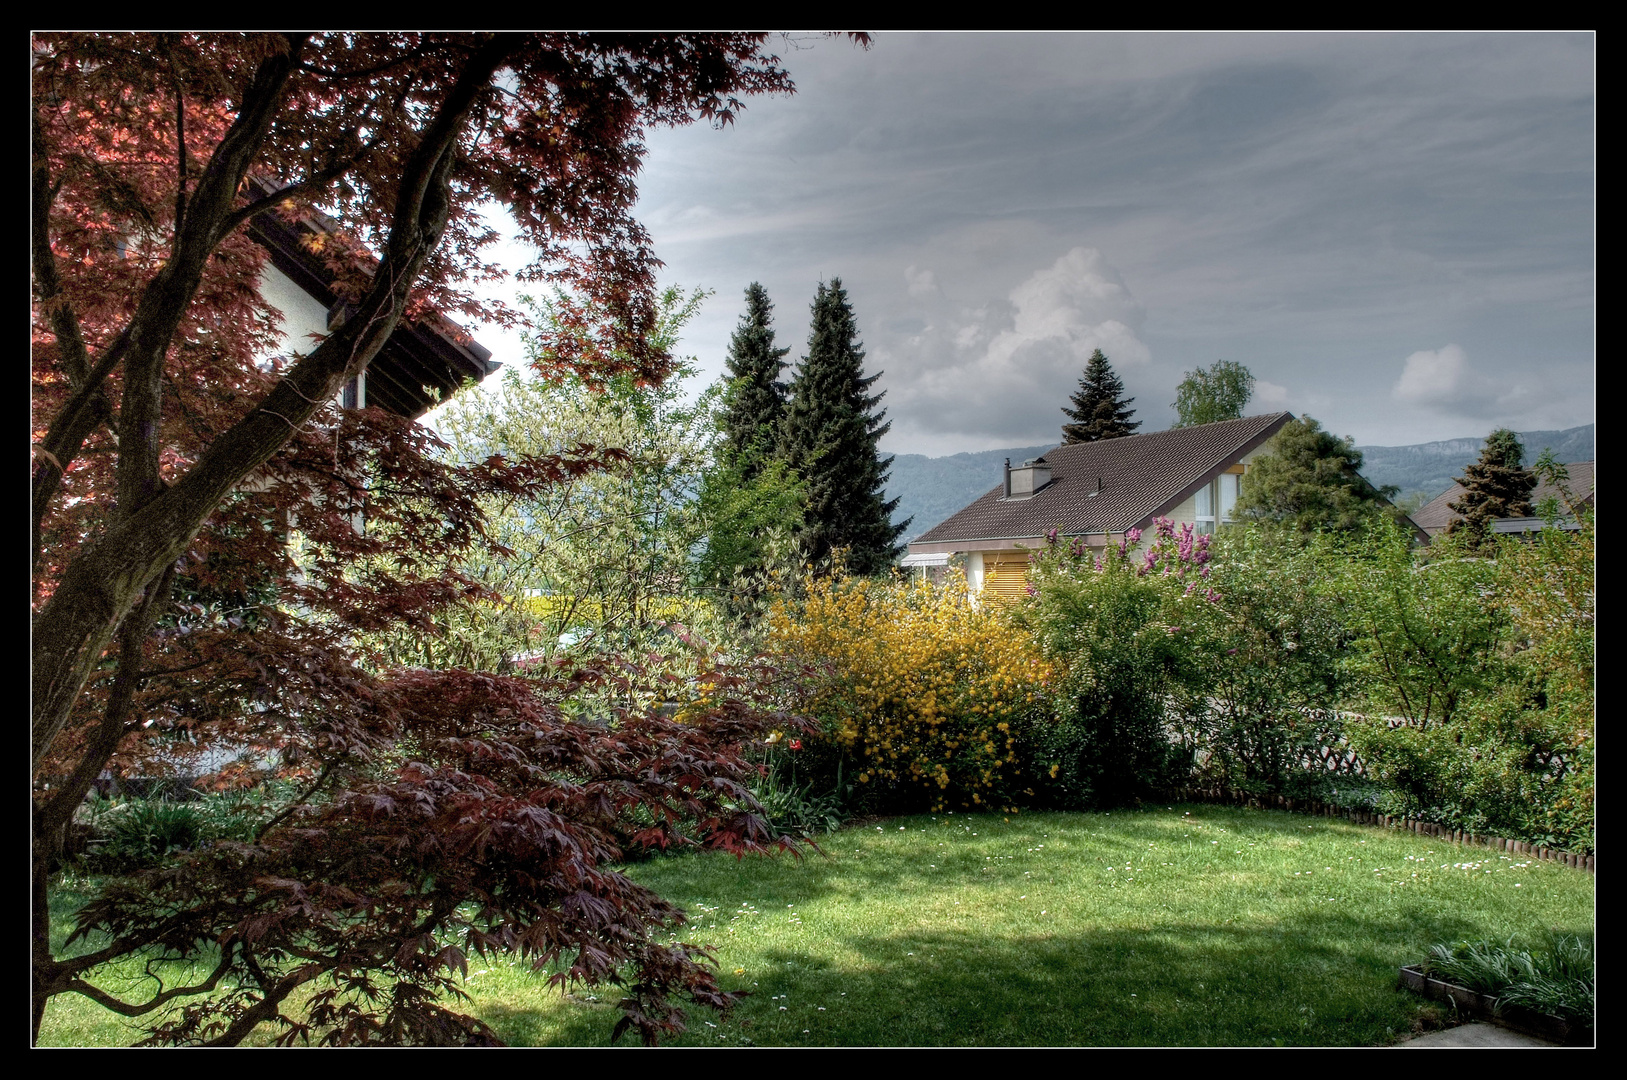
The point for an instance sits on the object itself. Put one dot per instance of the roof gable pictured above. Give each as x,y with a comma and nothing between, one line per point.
1141,477
422,362
1435,515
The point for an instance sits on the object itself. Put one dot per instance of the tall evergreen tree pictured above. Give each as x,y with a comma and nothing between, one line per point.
1098,410
754,405
1496,486
832,428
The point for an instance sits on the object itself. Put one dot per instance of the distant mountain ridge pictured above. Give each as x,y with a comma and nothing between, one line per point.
1430,468
929,489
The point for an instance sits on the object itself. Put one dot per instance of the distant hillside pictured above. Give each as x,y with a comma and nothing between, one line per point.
929,489
1430,468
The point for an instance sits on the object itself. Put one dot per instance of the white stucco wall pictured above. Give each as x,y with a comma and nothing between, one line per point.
301,314
1184,514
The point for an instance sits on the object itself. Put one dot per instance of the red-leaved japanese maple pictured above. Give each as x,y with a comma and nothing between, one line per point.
438,811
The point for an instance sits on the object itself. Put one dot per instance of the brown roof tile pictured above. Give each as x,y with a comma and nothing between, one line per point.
1435,515
1141,476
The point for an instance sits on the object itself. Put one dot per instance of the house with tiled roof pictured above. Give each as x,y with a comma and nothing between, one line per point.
1097,491
1437,515
424,361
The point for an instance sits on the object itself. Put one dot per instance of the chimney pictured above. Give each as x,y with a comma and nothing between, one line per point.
1098,490
1026,480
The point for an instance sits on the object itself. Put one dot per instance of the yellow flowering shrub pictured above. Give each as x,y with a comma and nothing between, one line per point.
922,694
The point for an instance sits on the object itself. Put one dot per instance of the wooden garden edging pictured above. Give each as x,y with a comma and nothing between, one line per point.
1484,1007
1366,817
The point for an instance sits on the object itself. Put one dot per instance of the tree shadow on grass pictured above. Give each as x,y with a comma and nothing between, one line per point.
1316,979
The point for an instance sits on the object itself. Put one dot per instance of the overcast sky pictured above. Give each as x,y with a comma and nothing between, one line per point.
1394,232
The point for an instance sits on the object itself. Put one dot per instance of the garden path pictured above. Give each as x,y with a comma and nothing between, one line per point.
1486,1035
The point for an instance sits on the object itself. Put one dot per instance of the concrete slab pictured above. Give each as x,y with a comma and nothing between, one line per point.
1472,1035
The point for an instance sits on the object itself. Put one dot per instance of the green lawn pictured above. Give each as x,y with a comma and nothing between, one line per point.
1197,926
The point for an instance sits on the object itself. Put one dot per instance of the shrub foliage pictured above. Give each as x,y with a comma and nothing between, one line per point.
922,696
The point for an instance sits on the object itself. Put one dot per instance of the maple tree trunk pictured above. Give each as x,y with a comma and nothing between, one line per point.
104,581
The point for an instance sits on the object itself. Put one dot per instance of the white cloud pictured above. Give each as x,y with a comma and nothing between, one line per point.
1003,371
921,282
1438,377
968,335
1444,384
1080,301
1268,397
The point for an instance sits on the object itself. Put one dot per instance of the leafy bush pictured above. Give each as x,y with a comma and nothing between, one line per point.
1271,652
1549,586
1428,628
1122,629
1485,652
134,834
922,696
1558,981
1501,767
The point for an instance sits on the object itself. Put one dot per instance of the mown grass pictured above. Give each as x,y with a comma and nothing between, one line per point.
1184,926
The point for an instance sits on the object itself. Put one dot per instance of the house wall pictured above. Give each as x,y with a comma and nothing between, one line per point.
1184,514
302,315
1187,512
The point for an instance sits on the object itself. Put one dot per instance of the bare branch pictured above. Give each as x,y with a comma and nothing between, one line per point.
108,1001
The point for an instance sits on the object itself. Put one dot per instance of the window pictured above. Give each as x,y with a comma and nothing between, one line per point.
1227,484
1005,577
1214,503
1204,513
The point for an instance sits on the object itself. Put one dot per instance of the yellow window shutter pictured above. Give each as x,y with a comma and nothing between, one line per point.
1006,579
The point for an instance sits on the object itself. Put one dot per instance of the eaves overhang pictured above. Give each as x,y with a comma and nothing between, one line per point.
419,366
1252,444
1002,543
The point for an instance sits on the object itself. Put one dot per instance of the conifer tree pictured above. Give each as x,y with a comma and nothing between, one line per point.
832,427
1098,410
754,405
1496,486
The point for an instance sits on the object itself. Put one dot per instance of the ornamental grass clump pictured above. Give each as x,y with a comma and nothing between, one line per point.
923,697
1558,981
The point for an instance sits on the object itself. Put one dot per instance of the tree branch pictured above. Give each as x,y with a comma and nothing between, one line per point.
299,800
89,405
103,581
55,815
108,1001
180,145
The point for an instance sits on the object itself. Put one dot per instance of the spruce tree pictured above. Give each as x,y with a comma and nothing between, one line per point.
754,405
832,428
1496,486
1098,411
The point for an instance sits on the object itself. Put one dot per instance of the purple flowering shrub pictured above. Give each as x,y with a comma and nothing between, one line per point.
1118,621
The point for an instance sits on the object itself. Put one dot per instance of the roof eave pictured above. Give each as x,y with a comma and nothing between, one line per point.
1249,445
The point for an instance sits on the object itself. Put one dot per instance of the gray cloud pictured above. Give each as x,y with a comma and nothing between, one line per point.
1444,382
1315,206
996,373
